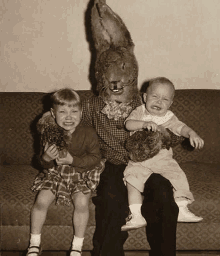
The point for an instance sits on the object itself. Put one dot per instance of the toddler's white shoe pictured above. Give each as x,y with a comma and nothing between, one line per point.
75,253
186,216
134,221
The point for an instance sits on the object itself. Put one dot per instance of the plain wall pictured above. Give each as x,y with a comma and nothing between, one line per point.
44,46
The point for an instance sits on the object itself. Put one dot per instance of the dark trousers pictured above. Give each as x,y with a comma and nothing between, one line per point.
159,210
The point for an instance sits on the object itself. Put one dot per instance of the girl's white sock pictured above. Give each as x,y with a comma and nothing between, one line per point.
135,209
77,243
35,240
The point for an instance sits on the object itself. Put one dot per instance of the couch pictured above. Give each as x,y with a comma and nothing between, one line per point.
20,111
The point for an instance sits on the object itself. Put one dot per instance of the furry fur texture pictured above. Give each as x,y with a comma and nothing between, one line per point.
145,144
51,133
116,68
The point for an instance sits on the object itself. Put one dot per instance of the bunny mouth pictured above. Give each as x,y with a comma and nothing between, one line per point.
117,91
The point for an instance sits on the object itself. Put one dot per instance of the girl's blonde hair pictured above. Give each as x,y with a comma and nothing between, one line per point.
66,96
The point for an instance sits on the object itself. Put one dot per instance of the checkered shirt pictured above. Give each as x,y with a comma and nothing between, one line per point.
111,133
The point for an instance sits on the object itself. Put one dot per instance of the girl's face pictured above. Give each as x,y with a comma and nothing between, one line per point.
158,99
67,117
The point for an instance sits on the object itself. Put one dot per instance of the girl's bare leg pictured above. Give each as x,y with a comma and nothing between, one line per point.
39,210
80,220
81,213
38,216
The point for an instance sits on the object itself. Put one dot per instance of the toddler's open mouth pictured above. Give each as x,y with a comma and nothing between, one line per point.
156,107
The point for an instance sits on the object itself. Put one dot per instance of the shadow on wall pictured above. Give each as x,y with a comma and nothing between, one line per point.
89,38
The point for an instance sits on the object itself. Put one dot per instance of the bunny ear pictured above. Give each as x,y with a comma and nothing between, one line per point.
108,28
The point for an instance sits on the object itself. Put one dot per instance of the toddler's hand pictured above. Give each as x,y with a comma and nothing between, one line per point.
195,140
50,152
66,160
150,126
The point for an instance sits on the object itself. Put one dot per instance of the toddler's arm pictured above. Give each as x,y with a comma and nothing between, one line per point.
194,138
91,156
133,125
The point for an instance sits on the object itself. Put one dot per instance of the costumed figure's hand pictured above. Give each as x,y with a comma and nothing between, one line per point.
150,126
195,140
65,161
50,152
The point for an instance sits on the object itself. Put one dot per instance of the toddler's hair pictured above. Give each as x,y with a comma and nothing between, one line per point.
66,96
161,80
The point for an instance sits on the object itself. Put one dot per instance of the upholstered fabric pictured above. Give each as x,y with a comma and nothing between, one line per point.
19,113
200,110
18,200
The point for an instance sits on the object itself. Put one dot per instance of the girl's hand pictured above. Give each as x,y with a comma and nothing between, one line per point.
50,153
150,126
66,160
195,140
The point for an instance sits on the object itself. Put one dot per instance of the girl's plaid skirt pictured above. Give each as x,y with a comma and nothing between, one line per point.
63,181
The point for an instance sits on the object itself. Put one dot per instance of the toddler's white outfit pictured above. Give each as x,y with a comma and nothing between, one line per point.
137,173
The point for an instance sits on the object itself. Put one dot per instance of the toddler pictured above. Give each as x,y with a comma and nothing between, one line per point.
151,115
65,179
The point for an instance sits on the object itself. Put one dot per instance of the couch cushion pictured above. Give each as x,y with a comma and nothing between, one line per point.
204,182
18,198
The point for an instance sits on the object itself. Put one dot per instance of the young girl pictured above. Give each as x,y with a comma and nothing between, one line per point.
158,98
64,181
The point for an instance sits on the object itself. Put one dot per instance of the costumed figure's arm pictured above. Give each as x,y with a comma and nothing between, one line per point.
92,157
88,160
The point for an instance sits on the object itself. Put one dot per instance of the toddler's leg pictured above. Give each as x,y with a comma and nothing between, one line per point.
136,220
80,220
134,195
38,216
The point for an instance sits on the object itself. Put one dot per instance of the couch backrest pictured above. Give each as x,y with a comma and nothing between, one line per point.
199,109
19,113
